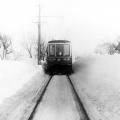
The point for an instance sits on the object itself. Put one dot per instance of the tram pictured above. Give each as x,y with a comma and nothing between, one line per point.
58,57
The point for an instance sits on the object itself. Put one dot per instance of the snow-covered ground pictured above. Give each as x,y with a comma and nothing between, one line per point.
97,79
19,84
13,75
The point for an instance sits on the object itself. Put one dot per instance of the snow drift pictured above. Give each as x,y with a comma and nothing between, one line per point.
19,84
97,78
13,75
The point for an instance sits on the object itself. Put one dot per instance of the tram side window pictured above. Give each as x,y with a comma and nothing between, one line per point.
51,50
66,50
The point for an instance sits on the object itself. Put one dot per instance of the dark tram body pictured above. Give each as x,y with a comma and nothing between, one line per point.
59,57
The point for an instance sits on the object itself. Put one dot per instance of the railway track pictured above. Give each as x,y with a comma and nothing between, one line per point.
80,107
39,99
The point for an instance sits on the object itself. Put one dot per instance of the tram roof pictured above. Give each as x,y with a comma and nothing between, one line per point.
59,41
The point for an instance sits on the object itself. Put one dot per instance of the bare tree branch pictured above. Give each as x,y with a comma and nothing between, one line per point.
31,47
106,48
6,45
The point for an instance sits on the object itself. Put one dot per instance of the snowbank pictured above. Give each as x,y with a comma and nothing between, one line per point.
13,75
20,83
97,79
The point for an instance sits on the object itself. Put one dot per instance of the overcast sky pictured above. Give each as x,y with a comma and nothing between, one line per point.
85,23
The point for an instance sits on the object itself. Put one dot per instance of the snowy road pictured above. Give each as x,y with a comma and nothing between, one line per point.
58,102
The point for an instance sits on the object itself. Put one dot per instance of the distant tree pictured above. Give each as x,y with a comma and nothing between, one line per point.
5,46
106,48
118,47
31,47
42,49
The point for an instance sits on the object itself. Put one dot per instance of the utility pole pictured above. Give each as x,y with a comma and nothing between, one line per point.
39,55
39,38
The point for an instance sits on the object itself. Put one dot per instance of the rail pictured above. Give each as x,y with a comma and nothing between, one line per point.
82,111
39,99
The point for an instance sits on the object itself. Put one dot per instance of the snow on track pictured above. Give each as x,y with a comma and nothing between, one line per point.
40,95
58,102
80,106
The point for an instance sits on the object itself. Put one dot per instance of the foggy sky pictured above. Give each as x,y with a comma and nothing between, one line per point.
85,23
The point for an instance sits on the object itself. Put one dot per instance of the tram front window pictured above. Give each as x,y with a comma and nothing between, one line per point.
59,50
62,50
66,50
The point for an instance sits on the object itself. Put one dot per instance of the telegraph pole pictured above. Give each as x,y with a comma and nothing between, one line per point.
39,38
39,54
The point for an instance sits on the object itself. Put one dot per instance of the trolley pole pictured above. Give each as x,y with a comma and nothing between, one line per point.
39,39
